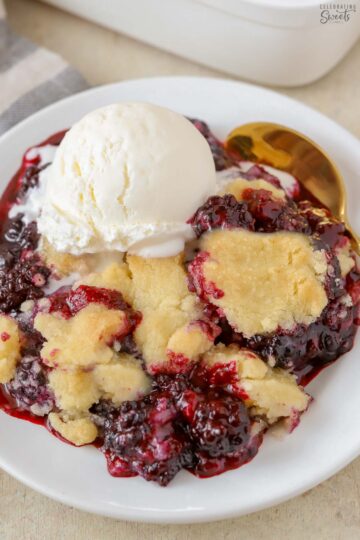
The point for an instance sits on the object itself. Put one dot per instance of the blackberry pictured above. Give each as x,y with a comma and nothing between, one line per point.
29,387
272,215
220,425
143,434
17,236
179,425
22,281
222,158
323,226
306,349
222,213
125,430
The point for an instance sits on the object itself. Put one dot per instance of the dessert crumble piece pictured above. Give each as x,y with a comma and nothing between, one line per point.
78,431
84,340
193,339
74,390
160,293
169,327
121,380
260,282
9,348
267,392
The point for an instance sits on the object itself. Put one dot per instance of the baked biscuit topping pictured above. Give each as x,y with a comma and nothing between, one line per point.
268,392
74,390
83,340
261,281
78,431
160,293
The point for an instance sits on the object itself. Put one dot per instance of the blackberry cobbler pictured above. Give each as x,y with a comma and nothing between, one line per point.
180,362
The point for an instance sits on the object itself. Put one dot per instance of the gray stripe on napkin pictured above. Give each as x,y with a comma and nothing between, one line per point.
12,47
68,82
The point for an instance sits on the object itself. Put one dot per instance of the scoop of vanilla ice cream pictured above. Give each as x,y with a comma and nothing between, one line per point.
126,177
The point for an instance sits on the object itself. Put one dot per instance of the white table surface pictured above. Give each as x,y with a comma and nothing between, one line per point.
332,510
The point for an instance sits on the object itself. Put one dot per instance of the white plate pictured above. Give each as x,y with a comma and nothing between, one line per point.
328,437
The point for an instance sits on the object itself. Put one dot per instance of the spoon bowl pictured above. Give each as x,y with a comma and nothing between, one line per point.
289,150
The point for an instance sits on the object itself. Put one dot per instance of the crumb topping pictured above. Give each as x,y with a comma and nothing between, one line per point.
74,390
78,431
84,339
122,380
268,392
9,348
261,281
160,293
191,341
157,288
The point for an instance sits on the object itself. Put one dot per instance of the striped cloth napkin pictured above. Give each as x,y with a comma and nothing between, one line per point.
30,77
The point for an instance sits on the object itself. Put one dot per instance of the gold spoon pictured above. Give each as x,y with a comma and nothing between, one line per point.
286,149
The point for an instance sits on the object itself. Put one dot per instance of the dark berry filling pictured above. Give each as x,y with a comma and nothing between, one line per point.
22,274
220,425
30,179
222,213
305,349
260,212
29,387
223,158
70,302
181,424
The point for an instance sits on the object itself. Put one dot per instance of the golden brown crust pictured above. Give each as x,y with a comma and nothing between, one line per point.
78,431
161,294
74,390
267,280
122,380
189,341
158,289
82,340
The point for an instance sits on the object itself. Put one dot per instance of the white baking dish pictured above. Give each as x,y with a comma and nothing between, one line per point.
278,42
